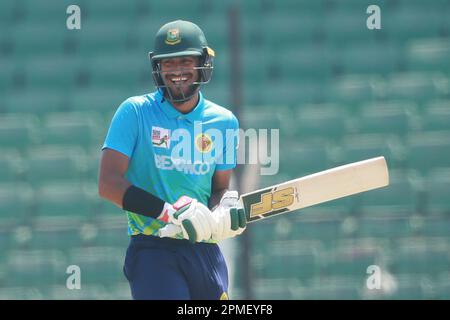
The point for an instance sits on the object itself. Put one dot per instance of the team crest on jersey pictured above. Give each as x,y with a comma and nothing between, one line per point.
161,137
173,36
203,142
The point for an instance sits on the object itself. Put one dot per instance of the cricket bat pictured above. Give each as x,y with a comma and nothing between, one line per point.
316,188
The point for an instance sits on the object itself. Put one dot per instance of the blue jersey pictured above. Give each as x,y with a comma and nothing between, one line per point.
172,154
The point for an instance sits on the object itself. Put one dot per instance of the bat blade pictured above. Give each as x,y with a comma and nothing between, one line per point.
316,188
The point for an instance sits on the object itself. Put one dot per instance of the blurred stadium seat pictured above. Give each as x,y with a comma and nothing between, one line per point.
429,150
54,163
34,101
16,202
72,129
18,130
437,186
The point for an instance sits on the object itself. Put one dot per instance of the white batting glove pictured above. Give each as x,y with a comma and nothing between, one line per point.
229,217
188,216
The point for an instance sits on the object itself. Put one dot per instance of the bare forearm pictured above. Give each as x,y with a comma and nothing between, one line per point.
216,195
113,189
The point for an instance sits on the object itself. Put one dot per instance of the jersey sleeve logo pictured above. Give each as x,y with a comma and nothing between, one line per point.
161,137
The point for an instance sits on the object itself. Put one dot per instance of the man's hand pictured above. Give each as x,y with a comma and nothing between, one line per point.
193,218
229,219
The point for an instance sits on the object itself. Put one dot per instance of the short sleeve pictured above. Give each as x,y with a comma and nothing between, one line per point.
122,133
231,144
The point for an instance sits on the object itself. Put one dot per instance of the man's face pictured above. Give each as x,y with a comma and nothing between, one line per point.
179,75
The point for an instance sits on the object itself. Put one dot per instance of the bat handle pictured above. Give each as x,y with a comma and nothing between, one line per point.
169,230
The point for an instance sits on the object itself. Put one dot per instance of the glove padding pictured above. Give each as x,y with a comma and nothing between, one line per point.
192,217
229,219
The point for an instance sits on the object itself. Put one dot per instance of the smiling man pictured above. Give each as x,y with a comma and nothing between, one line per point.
159,188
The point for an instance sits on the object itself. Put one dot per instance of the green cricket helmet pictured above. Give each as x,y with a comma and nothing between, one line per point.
176,39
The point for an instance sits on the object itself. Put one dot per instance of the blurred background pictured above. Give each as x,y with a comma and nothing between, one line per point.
337,91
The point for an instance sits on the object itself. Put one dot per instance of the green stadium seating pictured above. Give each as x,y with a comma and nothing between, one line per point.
436,226
436,190
370,57
345,26
54,163
88,292
99,99
18,130
386,118
171,8
52,71
332,288
64,201
7,76
270,288
113,237
16,201
428,21
36,267
321,121
11,166
6,239
357,147
304,62
286,259
307,228
115,36
443,288
265,117
437,116
7,12
115,9
99,265
216,92
49,238
428,54
21,293
353,89
429,150
349,261
31,40
299,6
399,197
288,29
409,287
424,260
119,70
48,10
35,101
78,129
384,227
255,66
293,93
298,159
413,86
216,29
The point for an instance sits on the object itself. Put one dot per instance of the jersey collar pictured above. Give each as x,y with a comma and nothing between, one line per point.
172,113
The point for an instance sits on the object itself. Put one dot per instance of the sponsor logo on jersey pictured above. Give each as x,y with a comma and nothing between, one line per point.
161,137
182,165
203,142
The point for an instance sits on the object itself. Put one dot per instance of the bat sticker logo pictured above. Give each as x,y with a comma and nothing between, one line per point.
274,200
